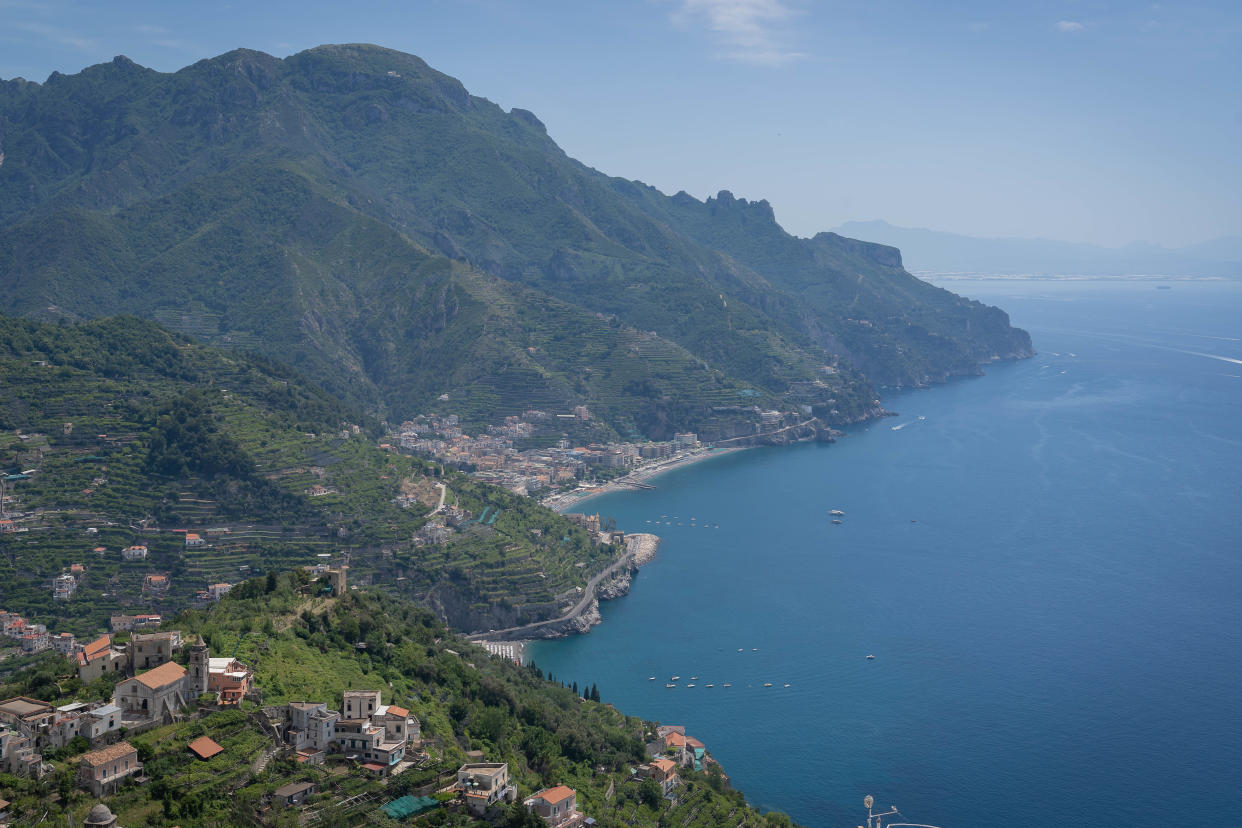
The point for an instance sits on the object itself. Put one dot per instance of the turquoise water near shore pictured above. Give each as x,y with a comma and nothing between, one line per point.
1046,569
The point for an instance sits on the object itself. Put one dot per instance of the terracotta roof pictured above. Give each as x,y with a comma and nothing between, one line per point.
162,676
102,757
665,765
675,740
292,788
693,742
204,747
372,766
97,647
398,711
554,795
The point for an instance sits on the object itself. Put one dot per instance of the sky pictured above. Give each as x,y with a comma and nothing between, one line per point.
1080,120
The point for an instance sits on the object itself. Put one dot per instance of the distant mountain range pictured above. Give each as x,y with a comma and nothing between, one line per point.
930,250
411,247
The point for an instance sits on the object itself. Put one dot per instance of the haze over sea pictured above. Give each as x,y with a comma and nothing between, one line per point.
1046,569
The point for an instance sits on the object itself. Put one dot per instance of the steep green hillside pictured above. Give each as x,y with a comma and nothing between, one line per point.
309,208
131,435
307,649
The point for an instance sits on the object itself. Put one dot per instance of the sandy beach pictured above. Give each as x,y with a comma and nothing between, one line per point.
641,474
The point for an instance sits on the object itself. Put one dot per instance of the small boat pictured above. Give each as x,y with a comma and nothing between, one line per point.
921,417
711,685
674,678
786,685
739,649
650,678
767,684
837,512
728,685
870,657
694,678
670,685
754,649
689,685
837,521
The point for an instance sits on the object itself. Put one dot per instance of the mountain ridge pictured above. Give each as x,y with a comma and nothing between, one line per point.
292,183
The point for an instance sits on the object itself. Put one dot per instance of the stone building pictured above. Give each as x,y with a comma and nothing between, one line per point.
102,771
156,694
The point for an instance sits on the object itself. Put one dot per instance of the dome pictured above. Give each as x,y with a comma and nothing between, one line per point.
100,815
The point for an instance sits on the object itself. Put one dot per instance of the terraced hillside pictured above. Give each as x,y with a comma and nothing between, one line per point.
118,433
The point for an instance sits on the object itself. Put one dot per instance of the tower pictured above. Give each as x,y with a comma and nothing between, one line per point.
200,658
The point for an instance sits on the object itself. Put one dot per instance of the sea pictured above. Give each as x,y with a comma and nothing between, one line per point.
1044,561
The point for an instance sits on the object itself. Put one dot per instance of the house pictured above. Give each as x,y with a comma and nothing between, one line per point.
484,784
128,623
360,704
312,730
102,720
204,747
295,793
101,771
663,771
134,553
29,717
35,642
155,584
229,679
556,806
19,756
218,591
155,694
65,644
150,650
193,539
64,586
100,658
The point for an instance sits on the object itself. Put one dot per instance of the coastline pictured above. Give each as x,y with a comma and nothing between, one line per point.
641,474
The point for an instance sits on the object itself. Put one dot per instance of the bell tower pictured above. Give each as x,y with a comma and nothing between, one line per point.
199,661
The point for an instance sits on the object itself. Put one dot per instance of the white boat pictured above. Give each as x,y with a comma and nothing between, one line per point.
650,678
728,685
870,657
767,684
739,649
837,513
694,678
670,685
711,685
786,685
689,685
674,678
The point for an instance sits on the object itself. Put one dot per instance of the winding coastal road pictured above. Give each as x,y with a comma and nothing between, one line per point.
588,595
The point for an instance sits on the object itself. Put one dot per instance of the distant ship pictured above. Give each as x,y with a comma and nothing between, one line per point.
870,657
767,684
837,513
836,520
670,685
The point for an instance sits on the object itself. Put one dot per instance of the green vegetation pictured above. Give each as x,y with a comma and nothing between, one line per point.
464,699
361,216
134,435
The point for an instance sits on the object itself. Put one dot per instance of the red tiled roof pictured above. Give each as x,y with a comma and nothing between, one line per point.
692,742
372,766
162,676
398,711
554,795
675,740
204,747
101,757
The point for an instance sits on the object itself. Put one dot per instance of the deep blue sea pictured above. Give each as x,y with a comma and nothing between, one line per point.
1046,563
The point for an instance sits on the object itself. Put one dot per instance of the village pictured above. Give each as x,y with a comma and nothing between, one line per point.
160,679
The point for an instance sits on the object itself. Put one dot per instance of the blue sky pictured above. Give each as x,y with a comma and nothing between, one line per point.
1082,120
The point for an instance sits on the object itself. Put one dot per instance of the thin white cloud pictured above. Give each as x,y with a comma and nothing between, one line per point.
56,35
1069,26
751,31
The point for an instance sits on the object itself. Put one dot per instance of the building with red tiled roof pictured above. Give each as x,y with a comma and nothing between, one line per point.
100,771
155,694
556,806
204,747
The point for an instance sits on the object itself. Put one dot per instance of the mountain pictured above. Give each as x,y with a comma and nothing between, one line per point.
931,250
117,433
353,212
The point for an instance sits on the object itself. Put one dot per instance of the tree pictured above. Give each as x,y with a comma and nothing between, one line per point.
650,794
